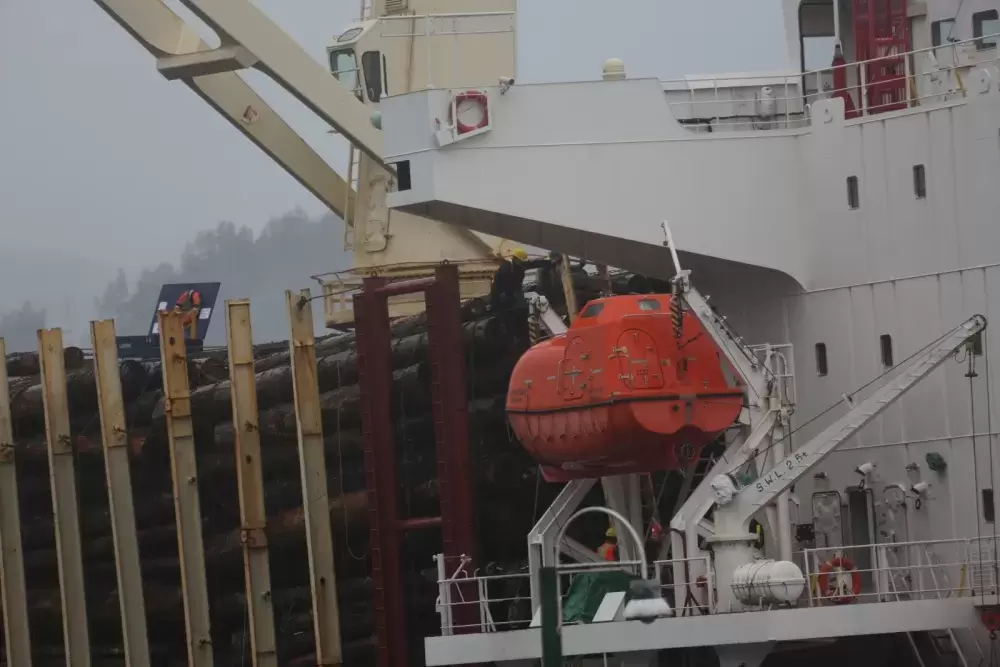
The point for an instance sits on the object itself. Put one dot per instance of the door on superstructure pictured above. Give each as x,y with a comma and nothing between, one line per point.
861,534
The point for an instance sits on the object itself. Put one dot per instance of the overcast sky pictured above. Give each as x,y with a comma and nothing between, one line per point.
102,157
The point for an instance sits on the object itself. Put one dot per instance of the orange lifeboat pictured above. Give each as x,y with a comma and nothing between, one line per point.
619,393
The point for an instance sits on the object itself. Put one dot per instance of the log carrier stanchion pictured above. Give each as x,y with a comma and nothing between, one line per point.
13,591
451,439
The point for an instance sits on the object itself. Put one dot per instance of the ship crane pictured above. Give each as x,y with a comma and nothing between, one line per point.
394,47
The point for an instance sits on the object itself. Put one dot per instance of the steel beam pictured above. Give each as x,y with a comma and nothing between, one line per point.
12,589
371,316
312,463
451,428
250,483
184,475
65,508
114,439
281,58
165,35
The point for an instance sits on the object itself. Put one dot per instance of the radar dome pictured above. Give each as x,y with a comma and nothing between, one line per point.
613,70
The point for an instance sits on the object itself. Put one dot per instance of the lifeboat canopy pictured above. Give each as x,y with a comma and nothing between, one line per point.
619,393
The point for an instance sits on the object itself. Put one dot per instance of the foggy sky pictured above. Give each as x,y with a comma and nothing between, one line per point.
102,158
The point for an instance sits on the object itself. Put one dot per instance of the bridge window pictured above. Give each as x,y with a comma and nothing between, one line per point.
853,197
371,65
821,367
344,67
989,509
941,31
985,23
885,342
592,310
919,181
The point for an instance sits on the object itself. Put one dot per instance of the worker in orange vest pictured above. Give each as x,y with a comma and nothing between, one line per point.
609,550
189,304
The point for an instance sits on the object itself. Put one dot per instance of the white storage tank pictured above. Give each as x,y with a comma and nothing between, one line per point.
768,582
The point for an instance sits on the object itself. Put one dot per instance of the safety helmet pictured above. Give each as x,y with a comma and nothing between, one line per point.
610,532
519,253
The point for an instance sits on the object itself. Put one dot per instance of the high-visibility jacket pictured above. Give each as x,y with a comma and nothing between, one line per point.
607,551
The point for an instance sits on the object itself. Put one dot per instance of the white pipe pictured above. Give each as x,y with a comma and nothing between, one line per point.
836,20
783,529
670,246
614,515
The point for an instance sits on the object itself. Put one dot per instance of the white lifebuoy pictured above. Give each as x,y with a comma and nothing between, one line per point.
471,111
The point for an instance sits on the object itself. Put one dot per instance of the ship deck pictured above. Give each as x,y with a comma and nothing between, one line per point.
715,630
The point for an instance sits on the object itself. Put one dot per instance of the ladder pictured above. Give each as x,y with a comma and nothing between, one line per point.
882,35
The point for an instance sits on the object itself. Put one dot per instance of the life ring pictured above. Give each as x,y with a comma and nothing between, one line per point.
474,96
838,595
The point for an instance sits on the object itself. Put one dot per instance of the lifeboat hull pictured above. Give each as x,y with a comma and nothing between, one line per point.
620,393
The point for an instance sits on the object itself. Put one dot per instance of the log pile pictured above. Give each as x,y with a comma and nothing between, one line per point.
505,487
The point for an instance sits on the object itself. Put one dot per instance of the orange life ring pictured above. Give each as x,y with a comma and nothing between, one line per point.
471,96
823,581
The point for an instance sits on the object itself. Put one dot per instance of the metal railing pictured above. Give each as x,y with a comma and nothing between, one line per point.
453,24
503,601
696,595
925,570
708,102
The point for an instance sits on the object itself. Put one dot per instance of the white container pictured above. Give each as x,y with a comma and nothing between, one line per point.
768,582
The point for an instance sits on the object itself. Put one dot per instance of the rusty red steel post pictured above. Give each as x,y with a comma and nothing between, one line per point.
451,430
371,317
447,360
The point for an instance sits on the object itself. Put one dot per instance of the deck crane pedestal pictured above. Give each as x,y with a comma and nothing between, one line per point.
396,46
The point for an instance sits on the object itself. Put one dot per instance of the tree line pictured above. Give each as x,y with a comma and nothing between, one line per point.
284,255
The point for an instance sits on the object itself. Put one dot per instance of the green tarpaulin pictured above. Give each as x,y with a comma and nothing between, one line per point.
588,590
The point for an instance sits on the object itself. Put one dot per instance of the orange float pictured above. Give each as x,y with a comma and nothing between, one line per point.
619,393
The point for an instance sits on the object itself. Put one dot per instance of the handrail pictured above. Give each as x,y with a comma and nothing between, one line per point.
760,75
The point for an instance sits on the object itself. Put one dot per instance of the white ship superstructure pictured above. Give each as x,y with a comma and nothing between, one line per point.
847,214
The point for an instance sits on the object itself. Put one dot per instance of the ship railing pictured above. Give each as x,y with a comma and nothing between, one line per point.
892,571
457,28
501,602
930,75
696,596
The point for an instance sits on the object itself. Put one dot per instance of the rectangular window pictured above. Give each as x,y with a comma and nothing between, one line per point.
885,342
853,198
919,181
985,23
941,31
989,510
371,66
821,368
344,67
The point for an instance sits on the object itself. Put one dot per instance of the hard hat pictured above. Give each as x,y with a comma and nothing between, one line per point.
610,532
520,254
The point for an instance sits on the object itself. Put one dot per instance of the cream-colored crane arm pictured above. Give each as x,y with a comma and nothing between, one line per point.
165,35
260,43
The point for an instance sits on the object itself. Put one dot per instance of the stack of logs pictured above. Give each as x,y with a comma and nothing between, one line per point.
505,487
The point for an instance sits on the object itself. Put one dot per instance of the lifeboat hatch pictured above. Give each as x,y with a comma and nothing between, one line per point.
572,372
639,363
